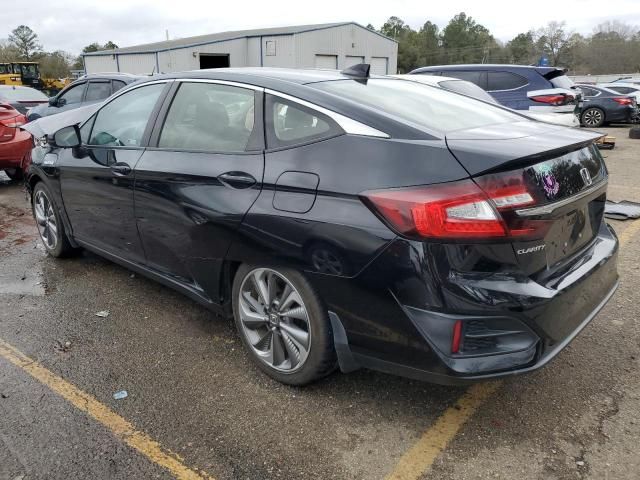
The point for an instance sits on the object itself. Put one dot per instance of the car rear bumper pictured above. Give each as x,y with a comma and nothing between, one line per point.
13,152
408,344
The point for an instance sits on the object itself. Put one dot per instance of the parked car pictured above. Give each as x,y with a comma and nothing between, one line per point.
21,98
86,90
602,105
624,88
537,89
341,219
15,144
464,87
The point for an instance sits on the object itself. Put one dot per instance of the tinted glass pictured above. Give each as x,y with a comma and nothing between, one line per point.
73,95
22,94
467,88
433,109
504,81
207,116
562,81
297,124
469,76
621,89
589,92
117,85
97,91
122,122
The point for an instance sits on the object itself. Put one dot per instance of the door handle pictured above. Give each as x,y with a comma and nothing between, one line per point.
120,168
237,180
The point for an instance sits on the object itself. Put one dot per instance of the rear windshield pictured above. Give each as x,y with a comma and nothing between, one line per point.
467,88
22,94
562,81
423,106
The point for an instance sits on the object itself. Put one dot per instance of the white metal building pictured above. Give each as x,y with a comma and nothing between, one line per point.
333,45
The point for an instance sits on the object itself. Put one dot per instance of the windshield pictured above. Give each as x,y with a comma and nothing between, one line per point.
467,88
425,107
29,70
22,94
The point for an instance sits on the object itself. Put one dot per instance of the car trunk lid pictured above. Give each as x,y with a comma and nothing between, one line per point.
565,176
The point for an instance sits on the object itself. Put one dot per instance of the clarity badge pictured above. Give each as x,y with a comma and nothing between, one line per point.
549,182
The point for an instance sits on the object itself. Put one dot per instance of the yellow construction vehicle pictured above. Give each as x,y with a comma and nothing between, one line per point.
28,74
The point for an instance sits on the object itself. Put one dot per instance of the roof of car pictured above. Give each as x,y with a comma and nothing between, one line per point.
428,79
263,75
485,66
126,77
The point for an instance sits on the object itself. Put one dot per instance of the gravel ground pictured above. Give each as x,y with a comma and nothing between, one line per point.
192,389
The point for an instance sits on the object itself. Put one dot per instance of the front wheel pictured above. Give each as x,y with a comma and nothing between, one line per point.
592,117
283,324
49,223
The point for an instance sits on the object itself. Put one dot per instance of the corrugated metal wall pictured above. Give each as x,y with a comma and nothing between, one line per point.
100,63
144,64
183,59
284,48
350,40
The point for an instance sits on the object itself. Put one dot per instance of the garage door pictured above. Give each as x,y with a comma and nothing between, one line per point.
351,60
379,65
327,61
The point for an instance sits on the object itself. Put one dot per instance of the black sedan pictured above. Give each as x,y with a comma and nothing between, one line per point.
342,220
602,105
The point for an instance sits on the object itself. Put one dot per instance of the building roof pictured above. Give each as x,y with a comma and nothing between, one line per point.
224,36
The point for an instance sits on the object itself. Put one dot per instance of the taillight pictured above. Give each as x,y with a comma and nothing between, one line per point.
8,126
623,100
554,99
469,209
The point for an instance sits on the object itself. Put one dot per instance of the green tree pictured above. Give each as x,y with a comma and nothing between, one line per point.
522,48
54,64
430,48
394,28
466,41
25,42
109,46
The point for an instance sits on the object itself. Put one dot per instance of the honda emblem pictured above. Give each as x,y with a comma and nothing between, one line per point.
586,177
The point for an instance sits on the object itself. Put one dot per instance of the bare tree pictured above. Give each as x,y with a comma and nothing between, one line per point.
554,41
25,41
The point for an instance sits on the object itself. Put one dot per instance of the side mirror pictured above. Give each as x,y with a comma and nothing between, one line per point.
53,101
67,137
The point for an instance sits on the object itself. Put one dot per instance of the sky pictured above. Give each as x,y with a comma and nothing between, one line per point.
70,25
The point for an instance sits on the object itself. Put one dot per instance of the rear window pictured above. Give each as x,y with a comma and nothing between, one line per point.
477,77
419,105
504,81
467,88
22,94
562,81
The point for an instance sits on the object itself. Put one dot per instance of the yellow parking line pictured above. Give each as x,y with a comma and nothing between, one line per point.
628,233
120,427
420,457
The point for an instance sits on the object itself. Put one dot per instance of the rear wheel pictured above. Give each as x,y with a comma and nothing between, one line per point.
283,324
592,117
50,226
14,173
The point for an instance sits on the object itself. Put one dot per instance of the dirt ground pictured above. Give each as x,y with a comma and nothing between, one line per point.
194,392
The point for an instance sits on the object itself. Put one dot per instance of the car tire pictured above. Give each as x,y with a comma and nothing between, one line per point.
49,223
592,117
294,349
14,173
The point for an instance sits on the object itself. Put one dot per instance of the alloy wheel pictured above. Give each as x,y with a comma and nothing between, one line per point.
46,220
274,320
592,117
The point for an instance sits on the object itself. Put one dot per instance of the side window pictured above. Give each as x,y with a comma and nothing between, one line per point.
473,76
97,91
85,130
209,116
117,85
122,122
589,92
290,123
504,81
73,95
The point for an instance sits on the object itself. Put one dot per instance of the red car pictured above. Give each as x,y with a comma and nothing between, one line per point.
15,144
